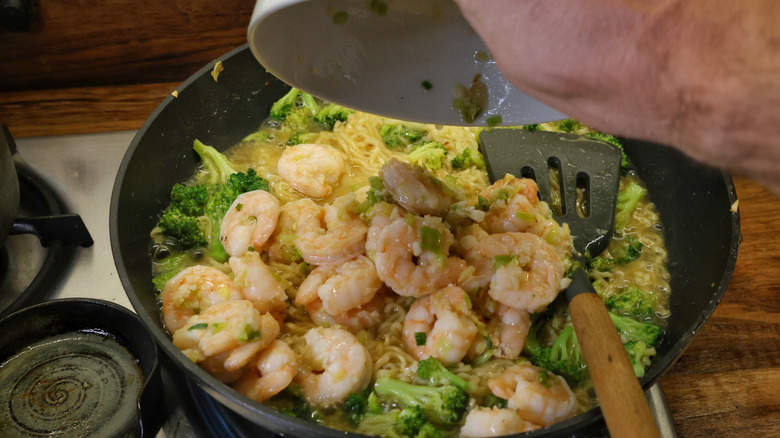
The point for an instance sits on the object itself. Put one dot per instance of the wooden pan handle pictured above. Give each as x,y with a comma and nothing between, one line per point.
622,400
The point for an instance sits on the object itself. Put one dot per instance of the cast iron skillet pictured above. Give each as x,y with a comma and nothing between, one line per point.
702,233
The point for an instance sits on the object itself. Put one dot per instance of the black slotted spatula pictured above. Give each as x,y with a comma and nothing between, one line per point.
593,166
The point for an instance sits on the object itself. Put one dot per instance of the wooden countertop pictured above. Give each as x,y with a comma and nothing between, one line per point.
727,384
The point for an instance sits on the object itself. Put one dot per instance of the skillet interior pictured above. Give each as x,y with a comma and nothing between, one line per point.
694,202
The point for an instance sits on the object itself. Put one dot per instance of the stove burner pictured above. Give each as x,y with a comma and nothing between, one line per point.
70,383
31,267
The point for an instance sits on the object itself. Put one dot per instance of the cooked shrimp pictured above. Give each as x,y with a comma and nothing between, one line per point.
529,274
488,422
412,256
215,365
417,190
280,246
441,325
328,234
513,205
508,329
312,169
235,327
249,222
383,215
193,290
480,267
256,282
338,365
269,373
539,396
354,320
342,287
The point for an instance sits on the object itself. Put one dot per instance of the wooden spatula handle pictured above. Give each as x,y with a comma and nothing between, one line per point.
622,401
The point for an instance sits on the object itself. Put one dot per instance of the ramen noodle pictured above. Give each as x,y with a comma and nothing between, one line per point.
289,351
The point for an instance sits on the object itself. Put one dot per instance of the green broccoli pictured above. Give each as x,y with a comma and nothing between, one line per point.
399,136
164,269
532,127
355,407
185,230
429,154
628,251
332,113
190,200
468,158
633,330
297,406
297,111
491,400
632,301
639,353
625,164
433,370
627,200
563,357
443,405
282,107
301,137
409,422
569,125
217,165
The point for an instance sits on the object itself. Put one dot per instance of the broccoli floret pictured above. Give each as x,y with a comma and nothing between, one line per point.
433,370
603,264
633,330
301,137
186,230
214,162
399,136
282,107
468,158
332,113
190,200
355,407
563,357
429,154
629,251
491,400
443,405
633,302
627,199
409,422
569,125
297,110
297,406
166,268
532,127
639,353
625,164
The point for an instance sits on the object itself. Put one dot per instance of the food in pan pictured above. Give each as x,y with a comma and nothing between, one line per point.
364,274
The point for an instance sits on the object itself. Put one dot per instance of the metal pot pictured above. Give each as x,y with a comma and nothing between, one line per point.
9,183
694,202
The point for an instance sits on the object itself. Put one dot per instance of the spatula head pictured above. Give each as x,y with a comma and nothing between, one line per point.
584,163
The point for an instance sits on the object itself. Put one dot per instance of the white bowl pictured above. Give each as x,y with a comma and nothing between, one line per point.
376,55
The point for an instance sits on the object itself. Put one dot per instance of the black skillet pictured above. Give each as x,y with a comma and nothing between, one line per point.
694,202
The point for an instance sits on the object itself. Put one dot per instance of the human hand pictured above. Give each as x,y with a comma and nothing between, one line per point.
703,77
